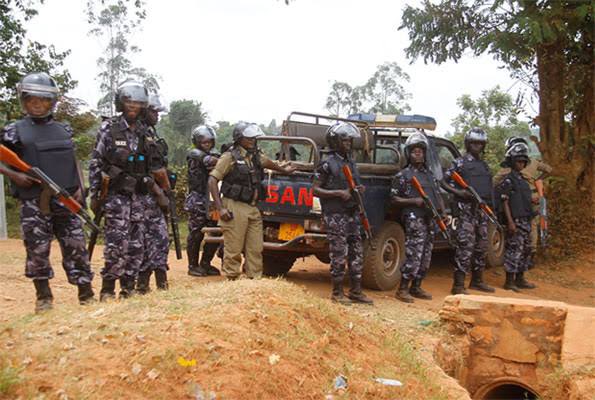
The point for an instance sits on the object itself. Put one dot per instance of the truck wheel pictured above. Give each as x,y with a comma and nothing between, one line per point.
495,256
382,264
277,265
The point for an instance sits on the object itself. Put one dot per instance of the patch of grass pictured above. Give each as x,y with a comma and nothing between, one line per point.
9,377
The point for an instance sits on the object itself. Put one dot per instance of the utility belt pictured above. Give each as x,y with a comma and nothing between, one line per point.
238,192
130,180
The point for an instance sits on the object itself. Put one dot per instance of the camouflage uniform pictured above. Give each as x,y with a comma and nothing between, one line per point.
38,229
197,207
419,229
344,228
156,237
345,245
472,227
531,172
517,253
124,212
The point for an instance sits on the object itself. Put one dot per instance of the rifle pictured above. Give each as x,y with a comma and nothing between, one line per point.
7,156
167,181
435,214
105,179
543,231
482,204
360,204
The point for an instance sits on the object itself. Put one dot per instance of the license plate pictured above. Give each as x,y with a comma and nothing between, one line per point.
290,231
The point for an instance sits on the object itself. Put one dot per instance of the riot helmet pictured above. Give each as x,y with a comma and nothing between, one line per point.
203,132
518,151
514,139
155,103
131,90
38,84
476,135
340,131
246,130
417,139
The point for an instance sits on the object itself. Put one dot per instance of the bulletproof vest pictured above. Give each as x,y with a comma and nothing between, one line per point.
243,180
428,184
126,168
197,177
156,150
520,198
477,175
50,148
336,181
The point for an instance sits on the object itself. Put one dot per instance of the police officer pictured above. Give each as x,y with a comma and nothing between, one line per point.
120,153
340,213
515,194
201,160
535,170
45,143
241,170
156,240
416,218
472,231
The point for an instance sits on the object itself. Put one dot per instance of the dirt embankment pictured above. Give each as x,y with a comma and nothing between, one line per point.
263,339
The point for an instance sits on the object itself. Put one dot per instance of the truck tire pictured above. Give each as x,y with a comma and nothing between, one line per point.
382,265
277,264
495,254
324,258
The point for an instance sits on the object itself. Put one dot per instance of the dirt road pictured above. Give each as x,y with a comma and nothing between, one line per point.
572,281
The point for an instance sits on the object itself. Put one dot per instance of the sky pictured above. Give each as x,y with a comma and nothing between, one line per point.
256,60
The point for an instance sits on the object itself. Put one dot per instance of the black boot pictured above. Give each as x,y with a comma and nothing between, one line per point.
43,295
458,284
477,283
143,282
522,283
126,287
108,290
193,246
86,294
418,292
338,295
356,295
510,284
208,253
403,291
161,279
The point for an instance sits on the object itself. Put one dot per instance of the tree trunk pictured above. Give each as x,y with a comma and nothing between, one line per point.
567,144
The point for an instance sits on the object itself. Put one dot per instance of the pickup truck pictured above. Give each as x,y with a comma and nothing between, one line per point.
292,221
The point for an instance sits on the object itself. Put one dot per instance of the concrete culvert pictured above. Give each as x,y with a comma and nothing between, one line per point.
507,391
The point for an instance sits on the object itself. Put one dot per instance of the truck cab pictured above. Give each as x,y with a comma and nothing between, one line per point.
292,220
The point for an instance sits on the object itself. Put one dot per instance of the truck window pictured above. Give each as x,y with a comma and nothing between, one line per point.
445,155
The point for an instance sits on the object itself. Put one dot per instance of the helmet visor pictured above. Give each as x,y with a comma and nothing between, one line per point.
135,93
252,131
345,130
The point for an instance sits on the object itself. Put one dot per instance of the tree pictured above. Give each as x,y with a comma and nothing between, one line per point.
115,20
496,113
551,40
19,56
382,93
385,91
548,44
339,98
176,126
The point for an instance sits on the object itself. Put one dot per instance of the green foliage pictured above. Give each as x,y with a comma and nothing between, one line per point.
496,113
9,377
176,126
19,56
84,125
382,93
